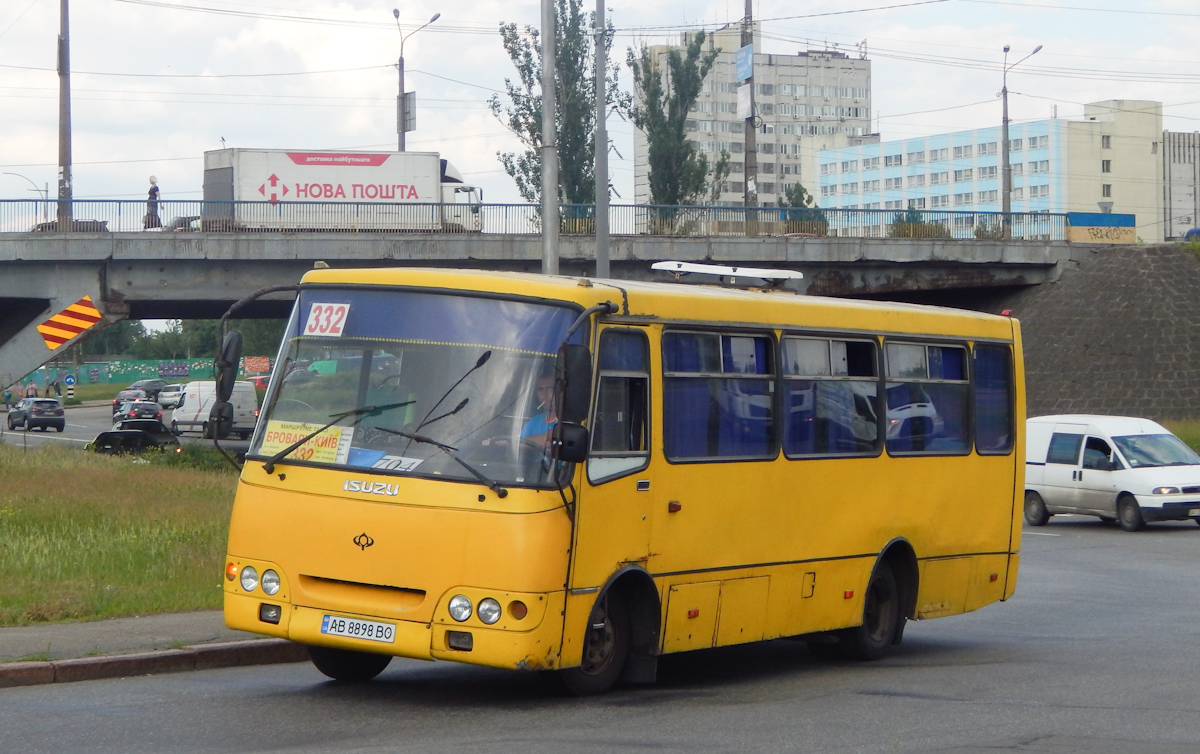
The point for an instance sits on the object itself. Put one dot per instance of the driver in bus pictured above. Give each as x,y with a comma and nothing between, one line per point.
539,428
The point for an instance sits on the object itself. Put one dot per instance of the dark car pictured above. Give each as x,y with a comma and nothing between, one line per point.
138,410
125,396
1192,235
135,436
151,387
31,413
76,226
189,224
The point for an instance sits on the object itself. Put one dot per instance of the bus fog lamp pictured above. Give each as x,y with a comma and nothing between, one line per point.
270,582
489,610
249,578
460,608
1165,490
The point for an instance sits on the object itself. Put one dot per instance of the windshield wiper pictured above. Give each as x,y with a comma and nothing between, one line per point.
449,450
361,412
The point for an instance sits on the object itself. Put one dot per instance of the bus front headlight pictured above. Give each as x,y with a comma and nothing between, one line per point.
270,582
460,608
249,578
489,610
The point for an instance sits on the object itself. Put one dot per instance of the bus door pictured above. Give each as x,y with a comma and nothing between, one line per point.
613,510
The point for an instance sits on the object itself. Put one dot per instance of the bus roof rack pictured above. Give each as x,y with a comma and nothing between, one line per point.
773,277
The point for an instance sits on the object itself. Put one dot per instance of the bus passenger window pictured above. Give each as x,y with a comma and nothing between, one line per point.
993,400
926,398
830,394
621,428
717,395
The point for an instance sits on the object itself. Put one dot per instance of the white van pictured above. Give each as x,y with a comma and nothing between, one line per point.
197,401
1115,467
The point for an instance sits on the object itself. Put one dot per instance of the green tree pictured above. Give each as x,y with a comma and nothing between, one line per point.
118,339
912,224
678,172
800,212
574,101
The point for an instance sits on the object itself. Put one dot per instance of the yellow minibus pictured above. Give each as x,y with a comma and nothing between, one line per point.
580,475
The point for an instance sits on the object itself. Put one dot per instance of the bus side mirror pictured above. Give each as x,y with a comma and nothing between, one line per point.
220,419
569,443
227,364
574,383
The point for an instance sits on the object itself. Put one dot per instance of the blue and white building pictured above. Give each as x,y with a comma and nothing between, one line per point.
1107,161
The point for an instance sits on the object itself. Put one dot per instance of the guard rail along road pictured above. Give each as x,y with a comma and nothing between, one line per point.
25,215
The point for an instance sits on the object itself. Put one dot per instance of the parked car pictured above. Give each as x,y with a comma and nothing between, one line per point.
138,410
135,436
1116,467
31,413
168,397
125,396
152,387
77,226
260,383
1192,235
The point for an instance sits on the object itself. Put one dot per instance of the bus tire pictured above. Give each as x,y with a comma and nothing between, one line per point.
1129,514
1035,509
882,614
605,647
348,665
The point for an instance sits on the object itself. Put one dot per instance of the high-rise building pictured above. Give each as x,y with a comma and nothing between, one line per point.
1181,177
815,96
1107,161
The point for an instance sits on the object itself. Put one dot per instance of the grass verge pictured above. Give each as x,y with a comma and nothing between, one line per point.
85,537
1187,430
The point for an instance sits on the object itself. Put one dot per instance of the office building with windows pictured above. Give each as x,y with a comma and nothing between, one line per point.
1181,177
1107,161
815,95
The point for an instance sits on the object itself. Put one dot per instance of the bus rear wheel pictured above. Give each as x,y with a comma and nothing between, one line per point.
605,647
881,618
348,665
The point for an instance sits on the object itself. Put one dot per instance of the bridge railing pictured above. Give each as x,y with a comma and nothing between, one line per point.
35,215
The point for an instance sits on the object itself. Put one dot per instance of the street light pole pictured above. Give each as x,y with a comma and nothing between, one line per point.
401,104
1005,167
64,117
43,193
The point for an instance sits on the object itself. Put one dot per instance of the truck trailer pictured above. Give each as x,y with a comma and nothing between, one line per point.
283,190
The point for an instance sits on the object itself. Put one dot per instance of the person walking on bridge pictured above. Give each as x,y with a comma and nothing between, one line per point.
152,220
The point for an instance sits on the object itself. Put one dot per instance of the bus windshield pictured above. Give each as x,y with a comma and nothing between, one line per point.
458,382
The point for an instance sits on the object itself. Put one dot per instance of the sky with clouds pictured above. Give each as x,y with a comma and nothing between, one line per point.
156,83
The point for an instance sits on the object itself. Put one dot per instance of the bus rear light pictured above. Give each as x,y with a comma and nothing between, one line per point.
518,610
231,570
848,594
993,577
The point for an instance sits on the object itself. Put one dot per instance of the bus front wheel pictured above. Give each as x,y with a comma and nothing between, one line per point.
605,647
348,665
881,618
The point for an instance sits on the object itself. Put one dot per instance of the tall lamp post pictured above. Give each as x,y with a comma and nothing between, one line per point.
44,193
1005,167
401,102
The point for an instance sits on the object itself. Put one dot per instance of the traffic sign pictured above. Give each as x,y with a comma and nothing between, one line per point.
69,380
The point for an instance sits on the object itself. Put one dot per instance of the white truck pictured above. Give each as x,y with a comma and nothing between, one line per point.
285,190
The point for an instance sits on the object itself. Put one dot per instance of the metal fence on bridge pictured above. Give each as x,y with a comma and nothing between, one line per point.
36,215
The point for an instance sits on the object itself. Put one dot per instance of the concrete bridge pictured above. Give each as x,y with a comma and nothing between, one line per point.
198,275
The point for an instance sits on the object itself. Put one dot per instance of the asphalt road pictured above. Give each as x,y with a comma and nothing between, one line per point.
1093,654
84,423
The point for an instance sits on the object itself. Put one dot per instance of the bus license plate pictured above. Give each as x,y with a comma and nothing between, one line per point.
359,629
1194,512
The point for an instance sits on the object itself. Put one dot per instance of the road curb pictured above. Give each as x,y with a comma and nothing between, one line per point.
197,657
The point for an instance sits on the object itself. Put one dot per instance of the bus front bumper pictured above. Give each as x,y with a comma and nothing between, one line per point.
536,649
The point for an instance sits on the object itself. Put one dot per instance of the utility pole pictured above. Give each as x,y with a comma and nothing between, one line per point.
549,146
64,118
750,131
601,142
